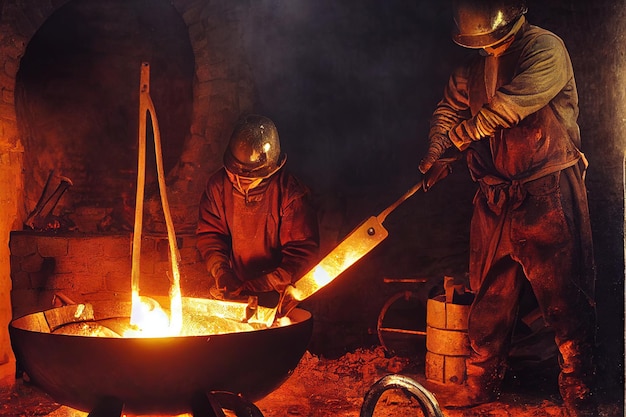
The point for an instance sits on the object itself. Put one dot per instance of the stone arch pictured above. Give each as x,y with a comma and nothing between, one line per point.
222,89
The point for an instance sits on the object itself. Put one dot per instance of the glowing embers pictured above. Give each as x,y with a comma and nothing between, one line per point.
152,321
200,317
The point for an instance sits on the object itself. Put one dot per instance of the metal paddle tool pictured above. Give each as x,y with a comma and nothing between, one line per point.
357,244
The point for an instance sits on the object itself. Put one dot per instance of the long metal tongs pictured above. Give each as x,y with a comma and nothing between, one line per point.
146,106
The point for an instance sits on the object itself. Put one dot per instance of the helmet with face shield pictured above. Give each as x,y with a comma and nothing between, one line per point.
254,148
485,23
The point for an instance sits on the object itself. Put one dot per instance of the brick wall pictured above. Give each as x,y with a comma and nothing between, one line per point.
90,268
9,180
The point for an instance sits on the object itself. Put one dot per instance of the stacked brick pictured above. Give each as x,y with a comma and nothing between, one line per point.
48,269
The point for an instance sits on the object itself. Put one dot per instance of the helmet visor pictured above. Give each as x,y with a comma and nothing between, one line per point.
488,39
261,170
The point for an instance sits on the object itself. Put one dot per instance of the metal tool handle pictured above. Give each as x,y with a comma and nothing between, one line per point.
383,215
440,169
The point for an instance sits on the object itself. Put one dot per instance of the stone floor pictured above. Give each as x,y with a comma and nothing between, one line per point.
322,387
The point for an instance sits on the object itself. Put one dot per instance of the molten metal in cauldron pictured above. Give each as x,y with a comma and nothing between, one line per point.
152,375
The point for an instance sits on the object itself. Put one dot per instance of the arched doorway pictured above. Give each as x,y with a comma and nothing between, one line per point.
77,100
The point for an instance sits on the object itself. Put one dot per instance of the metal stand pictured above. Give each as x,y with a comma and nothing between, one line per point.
214,403
427,401
210,404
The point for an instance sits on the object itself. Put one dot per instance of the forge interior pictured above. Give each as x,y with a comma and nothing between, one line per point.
350,86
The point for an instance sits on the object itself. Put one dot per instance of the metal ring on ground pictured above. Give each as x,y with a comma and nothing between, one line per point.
428,403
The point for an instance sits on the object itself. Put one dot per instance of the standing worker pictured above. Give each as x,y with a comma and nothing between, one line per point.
512,110
257,229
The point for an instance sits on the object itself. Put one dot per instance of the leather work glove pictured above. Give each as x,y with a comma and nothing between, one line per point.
257,285
275,280
228,281
440,169
439,143
227,284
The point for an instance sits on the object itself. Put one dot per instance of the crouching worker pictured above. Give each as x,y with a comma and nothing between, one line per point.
257,229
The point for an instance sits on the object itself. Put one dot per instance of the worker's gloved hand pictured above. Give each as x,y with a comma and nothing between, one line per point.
439,143
257,285
227,284
226,292
287,301
276,280
440,169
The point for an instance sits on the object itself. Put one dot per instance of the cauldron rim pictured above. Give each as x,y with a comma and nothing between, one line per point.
157,375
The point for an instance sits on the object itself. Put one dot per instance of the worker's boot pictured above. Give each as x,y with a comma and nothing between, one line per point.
577,379
578,397
474,391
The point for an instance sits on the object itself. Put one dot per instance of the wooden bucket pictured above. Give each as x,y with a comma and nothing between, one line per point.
447,343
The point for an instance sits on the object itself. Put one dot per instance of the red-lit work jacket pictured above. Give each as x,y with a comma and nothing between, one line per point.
272,236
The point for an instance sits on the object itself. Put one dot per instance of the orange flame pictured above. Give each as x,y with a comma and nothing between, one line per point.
147,318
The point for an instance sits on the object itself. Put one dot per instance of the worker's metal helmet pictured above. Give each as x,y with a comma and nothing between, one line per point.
484,23
254,148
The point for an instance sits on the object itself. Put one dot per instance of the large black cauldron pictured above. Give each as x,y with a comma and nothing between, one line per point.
155,375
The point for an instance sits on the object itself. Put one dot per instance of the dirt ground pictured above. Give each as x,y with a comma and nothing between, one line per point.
322,387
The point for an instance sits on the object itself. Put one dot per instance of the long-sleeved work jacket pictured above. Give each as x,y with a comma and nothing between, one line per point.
270,236
516,118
